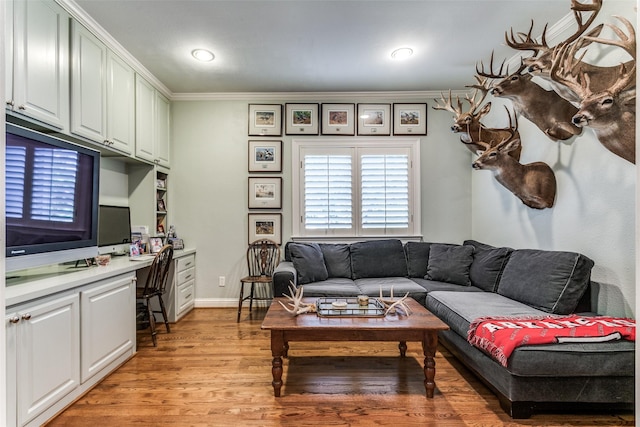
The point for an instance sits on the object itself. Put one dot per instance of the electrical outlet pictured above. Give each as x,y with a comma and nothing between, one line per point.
221,281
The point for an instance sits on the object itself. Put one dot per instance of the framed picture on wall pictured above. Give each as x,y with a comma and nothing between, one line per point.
265,120
265,156
409,119
301,119
265,226
265,193
374,119
338,119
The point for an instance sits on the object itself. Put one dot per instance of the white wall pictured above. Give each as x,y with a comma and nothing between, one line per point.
208,187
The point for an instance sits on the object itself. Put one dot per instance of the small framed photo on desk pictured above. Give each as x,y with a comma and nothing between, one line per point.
156,244
176,243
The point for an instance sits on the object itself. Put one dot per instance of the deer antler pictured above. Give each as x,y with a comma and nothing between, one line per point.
492,74
483,87
527,42
297,306
448,104
392,305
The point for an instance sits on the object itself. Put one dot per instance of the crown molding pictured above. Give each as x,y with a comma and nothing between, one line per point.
397,96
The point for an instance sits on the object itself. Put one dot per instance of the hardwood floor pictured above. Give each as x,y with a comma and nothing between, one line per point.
212,371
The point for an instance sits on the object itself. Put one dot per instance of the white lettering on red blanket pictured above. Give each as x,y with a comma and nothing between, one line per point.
499,336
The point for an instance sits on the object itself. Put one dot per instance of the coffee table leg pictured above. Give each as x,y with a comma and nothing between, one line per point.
277,351
429,346
403,348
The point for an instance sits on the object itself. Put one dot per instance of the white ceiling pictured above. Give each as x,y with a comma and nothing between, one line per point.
319,45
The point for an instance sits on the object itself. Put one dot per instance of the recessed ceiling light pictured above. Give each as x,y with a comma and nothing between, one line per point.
202,55
402,53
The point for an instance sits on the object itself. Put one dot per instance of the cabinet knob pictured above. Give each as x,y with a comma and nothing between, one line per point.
26,316
11,103
105,142
14,319
22,107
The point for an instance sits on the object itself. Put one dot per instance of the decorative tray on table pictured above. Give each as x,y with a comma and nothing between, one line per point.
349,307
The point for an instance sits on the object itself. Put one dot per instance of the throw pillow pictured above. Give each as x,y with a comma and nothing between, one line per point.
378,258
450,263
308,261
337,259
487,266
417,258
552,281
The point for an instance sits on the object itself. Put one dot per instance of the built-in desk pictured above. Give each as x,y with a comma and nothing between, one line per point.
69,327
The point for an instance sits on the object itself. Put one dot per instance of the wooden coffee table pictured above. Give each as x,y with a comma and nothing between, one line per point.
421,326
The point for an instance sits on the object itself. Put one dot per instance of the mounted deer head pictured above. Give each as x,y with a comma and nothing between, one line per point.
540,63
610,112
545,108
533,183
468,122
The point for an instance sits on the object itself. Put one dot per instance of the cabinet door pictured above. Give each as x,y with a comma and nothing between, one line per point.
108,323
41,62
121,115
48,353
163,130
145,119
88,85
11,328
8,54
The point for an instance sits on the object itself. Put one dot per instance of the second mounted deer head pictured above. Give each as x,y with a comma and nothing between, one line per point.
468,123
533,183
550,112
610,112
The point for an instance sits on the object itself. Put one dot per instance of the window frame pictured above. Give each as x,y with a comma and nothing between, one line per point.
357,146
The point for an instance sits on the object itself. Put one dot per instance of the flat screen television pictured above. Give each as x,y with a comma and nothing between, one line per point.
114,230
51,194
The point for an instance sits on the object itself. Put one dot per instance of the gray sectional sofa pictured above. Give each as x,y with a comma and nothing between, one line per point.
460,283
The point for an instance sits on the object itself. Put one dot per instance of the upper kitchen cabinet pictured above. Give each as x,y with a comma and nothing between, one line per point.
102,93
38,62
152,124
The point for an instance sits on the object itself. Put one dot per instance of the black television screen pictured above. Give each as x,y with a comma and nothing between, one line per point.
51,196
114,228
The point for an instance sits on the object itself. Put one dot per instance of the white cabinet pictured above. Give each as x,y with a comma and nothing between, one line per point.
102,93
43,344
39,76
61,346
152,124
185,286
108,323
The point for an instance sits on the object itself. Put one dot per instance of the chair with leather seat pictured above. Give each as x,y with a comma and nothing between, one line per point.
263,256
154,287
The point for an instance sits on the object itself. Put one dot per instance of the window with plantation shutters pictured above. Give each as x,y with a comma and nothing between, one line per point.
355,188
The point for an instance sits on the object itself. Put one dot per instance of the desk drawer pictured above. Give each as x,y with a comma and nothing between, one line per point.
186,296
186,275
185,262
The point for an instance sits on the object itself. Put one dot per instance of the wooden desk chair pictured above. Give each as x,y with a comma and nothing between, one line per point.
262,258
155,286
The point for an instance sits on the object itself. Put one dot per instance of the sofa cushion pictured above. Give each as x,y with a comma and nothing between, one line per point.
337,259
308,260
552,281
450,263
488,264
401,286
417,254
334,287
378,258
433,285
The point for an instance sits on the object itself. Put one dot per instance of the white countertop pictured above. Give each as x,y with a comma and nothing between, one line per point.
26,285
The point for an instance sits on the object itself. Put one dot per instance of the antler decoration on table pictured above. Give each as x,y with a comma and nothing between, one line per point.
392,305
295,301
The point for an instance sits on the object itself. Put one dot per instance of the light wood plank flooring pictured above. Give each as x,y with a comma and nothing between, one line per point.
212,371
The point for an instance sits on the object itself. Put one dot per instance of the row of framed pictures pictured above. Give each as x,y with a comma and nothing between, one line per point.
338,119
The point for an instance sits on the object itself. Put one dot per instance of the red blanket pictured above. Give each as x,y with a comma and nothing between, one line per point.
499,336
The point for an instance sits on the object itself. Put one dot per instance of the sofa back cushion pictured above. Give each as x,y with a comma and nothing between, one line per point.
450,263
552,281
337,259
417,254
378,258
488,264
308,261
